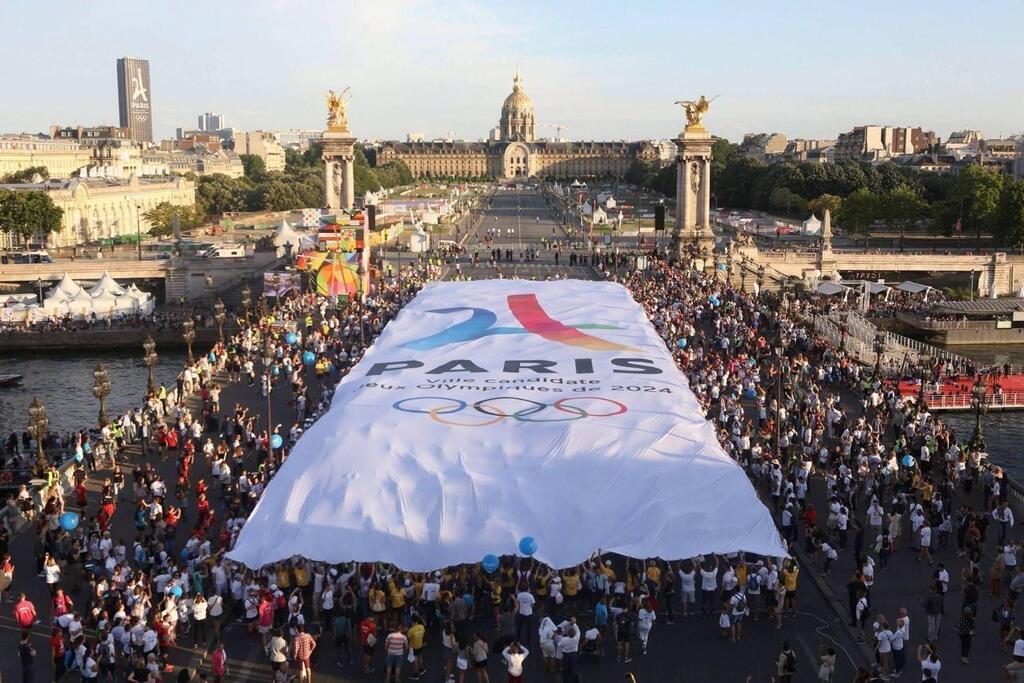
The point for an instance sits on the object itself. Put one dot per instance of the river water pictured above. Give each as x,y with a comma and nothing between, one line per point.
63,382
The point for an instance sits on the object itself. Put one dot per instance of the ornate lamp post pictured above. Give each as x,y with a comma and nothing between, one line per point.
277,289
779,355
218,315
38,427
150,359
188,333
268,358
924,372
101,389
246,301
760,279
879,348
843,329
979,402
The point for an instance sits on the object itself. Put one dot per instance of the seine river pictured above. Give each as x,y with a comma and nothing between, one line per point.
63,382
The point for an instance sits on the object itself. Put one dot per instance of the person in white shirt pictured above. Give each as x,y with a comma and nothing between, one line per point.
708,587
925,542
514,656
883,644
645,618
547,642
524,614
687,589
567,641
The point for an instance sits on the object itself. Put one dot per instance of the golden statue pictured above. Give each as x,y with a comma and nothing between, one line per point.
695,111
337,116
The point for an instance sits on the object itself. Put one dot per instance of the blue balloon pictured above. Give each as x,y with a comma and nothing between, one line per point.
69,521
308,357
291,338
276,441
177,592
490,563
908,461
682,343
528,545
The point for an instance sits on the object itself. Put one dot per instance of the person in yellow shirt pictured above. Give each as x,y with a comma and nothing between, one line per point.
571,589
377,600
416,635
790,572
653,575
397,595
301,575
284,577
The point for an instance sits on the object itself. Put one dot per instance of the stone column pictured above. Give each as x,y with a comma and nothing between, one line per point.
339,159
693,195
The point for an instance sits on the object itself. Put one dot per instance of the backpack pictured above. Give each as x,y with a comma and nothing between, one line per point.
790,666
740,604
754,582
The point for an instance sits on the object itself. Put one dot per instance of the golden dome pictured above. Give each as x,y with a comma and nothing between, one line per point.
517,102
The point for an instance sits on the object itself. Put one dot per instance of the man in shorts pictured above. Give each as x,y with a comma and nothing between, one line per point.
395,647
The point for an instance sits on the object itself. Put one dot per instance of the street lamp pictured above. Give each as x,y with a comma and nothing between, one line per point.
779,351
138,228
101,389
218,315
246,300
39,286
188,333
38,427
979,402
150,359
843,329
879,349
268,358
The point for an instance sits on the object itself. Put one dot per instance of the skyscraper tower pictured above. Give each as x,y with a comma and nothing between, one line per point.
134,101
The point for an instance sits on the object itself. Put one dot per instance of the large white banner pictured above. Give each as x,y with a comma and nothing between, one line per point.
498,409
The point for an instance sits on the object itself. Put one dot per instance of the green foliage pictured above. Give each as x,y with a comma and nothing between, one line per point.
901,208
25,175
1010,221
858,211
254,166
29,213
161,218
976,191
784,199
819,204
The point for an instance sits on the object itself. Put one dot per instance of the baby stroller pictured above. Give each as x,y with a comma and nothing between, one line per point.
591,645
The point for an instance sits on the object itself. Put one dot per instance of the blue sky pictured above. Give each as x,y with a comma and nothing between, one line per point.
606,70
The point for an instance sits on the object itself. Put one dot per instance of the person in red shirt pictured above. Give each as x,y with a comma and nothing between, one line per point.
266,619
219,663
57,649
62,603
24,612
368,639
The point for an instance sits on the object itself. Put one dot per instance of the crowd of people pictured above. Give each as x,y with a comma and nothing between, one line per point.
804,420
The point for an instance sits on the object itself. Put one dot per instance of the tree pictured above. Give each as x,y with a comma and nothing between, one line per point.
858,212
974,197
254,166
217,194
161,218
784,199
824,202
1010,222
901,209
25,175
278,196
29,214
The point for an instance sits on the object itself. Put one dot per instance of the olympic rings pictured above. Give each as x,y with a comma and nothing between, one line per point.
487,406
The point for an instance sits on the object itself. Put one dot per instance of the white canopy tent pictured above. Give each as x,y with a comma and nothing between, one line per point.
473,448
812,226
106,285
286,234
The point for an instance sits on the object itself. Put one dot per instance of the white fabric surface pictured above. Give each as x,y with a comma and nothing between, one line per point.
371,482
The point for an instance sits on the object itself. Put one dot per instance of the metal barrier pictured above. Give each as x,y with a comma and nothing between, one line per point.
962,401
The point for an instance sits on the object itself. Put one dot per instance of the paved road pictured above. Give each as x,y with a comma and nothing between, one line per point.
689,650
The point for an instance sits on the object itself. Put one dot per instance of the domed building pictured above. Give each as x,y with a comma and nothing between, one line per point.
517,114
514,151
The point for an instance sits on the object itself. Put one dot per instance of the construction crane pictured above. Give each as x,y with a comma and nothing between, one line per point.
559,127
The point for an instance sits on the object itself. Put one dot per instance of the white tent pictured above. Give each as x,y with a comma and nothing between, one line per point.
599,217
610,203
830,288
81,304
610,449
586,209
105,305
912,287
812,226
106,285
67,286
286,234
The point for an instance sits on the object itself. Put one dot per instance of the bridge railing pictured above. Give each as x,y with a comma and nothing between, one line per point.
962,401
919,321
